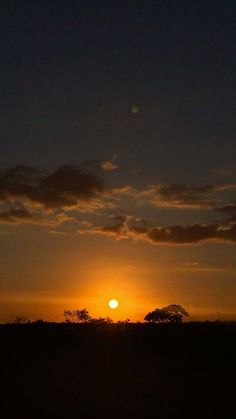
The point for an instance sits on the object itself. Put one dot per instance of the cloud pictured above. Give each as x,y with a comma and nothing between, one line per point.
105,165
19,174
230,211
183,196
182,235
57,233
118,230
69,186
64,187
193,234
122,228
85,223
196,267
16,216
21,215
127,226
225,187
108,165
30,196
189,265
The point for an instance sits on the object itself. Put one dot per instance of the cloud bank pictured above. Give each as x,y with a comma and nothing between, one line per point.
64,187
31,197
129,227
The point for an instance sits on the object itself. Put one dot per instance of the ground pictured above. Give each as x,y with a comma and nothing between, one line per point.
118,371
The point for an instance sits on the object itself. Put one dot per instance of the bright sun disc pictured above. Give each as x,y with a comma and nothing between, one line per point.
113,303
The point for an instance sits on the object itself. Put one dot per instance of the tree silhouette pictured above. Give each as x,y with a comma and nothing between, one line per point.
77,316
172,313
175,312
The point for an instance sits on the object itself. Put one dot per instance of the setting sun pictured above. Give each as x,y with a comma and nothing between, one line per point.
113,303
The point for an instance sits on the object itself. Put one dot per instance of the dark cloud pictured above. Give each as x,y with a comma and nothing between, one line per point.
230,211
185,196
67,185
119,229
105,165
181,195
131,227
17,182
15,216
19,174
122,228
21,215
29,196
64,187
193,234
182,235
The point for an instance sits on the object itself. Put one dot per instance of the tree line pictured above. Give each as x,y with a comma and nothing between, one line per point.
173,313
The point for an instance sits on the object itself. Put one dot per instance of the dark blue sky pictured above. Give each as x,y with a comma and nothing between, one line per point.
70,73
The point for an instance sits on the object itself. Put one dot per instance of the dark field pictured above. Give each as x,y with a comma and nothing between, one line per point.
134,371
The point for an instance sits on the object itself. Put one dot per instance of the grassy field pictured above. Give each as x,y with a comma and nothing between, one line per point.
118,371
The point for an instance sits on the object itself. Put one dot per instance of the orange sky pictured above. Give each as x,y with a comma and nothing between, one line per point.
52,273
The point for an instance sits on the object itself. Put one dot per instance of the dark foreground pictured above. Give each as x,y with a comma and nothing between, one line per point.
135,371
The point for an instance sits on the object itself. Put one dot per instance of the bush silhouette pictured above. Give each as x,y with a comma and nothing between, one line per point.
172,313
101,320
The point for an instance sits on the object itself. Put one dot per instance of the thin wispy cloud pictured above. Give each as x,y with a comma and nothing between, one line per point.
184,196
15,216
197,267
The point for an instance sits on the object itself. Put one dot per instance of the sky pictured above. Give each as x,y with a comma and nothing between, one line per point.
117,157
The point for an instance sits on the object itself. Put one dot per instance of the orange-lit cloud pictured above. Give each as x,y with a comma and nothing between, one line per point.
28,196
131,227
183,196
108,165
22,215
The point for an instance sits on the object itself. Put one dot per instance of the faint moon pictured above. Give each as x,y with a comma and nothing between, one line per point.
113,303
134,109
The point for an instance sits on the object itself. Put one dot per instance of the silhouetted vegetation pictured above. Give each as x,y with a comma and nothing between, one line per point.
19,320
101,320
77,316
173,313
83,316
120,371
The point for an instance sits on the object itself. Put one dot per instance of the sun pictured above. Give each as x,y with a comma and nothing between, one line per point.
113,303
